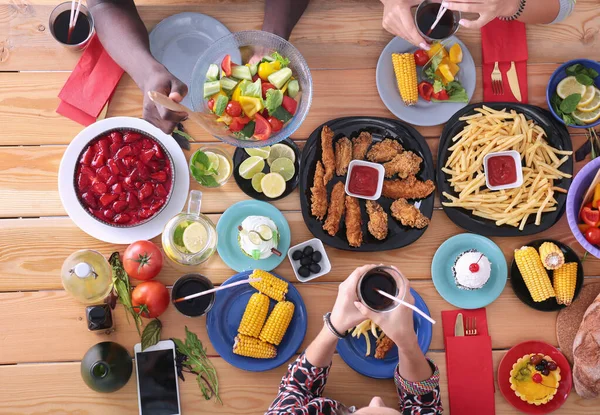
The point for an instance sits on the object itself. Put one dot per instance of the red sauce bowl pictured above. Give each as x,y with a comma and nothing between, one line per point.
364,179
503,170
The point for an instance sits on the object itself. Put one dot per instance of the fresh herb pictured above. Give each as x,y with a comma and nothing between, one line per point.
593,141
557,104
151,334
578,69
178,235
284,62
569,104
122,287
183,134
274,100
584,79
198,363
202,169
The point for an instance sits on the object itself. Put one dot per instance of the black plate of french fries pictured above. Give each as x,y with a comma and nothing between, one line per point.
398,235
545,148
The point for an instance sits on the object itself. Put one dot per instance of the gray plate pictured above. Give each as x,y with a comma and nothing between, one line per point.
423,113
178,41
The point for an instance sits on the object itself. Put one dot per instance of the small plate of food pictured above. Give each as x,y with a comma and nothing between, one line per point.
402,213
546,275
469,271
253,234
535,378
267,173
545,149
257,326
370,352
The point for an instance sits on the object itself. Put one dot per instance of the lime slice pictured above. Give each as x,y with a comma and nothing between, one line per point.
285,167
251,166
273,185
256,181
569,86
587,117
214,160
223,170
195,238
593,105
279,151
588,97
254,237
262,152
266,233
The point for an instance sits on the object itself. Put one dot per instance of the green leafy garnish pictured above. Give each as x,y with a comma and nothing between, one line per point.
183,134
557,104
151,334
284,62
437,86
274,100
178,235
456,92
122,287
579,69
569,104
255,254
252,89
202,170
204,179
584,79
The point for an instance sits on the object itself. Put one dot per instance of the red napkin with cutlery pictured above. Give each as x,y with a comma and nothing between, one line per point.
504,42
469,365
90,85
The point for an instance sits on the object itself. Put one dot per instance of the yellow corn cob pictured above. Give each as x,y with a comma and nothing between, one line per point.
534,274
251,347
565,279
405,70
278,322
254,315
270,285
551,255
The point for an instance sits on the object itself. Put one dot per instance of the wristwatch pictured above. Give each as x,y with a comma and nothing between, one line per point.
517,14
327,321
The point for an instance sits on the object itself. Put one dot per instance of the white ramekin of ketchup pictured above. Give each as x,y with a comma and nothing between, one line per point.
365,179
503,170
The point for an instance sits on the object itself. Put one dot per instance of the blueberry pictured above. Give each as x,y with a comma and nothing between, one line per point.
540,367
545,371
297,255
316,257
308,250
306,261
315,268
303,272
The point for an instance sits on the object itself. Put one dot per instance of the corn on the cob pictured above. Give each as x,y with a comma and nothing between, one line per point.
405,70
565,280
534,274
251,347
277,323
551,255
255,315
270,285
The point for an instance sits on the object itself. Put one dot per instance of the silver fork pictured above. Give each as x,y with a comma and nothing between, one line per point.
471,326
497,87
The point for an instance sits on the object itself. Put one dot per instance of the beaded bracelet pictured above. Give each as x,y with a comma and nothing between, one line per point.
327,320
517,13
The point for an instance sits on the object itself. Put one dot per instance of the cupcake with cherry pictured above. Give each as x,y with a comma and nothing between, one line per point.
471,270
535,378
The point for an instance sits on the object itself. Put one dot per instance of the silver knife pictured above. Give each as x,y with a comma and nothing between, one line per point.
513,81
459,327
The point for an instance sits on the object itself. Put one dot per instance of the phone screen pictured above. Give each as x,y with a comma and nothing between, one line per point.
157,382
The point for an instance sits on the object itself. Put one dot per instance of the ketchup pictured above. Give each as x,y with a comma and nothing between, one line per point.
501,170
363,180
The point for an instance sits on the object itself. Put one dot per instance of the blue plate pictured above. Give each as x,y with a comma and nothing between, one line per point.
443,279
352,350
227,231
223,319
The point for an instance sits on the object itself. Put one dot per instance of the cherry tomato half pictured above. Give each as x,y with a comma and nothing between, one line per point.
421,57
238,123
425,90
265,87
226,65
289,104
442,95
276,124
262,129
592,235
211,104
590,216
234,109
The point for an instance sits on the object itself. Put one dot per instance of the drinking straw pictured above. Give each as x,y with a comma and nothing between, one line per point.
441,12
404,303
222,287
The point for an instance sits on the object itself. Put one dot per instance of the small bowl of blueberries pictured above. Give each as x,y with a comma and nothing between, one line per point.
309,260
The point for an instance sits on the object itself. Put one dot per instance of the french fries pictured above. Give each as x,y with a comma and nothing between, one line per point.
363,329
490,131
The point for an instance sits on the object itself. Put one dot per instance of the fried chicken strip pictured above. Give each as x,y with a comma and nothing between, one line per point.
336,209
409,188
408,215
384,151
343,155
360,145
318,196
384,346
353,222
378,220
327,156
405,164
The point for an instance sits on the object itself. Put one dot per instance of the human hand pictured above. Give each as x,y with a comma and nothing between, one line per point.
488,10
399,21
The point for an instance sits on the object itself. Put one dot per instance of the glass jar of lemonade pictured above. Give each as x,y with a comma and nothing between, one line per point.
190,238
87,276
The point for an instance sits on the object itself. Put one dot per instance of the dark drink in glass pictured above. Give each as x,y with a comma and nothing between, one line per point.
80,34
191,284
386,279
425,17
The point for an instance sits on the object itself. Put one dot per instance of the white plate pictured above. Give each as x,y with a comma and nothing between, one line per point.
84,220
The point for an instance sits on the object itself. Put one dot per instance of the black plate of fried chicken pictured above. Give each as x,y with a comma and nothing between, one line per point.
402,213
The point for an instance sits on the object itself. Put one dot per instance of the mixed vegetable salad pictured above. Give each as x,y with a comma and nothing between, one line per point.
253,100
439,73
589,216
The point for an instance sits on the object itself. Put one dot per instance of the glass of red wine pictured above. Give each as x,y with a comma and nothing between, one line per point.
191,284
425,17
384,278
79,36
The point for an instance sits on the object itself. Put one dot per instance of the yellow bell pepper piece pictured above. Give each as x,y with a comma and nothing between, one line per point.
250,105
446,73
221,92
237,93
456,53
454,68
267,68
435,48
596,200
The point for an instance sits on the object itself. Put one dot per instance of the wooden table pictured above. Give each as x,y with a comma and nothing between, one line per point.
43,332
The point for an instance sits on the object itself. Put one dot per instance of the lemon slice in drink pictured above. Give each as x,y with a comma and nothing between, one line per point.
279,151
588,97
223,169
569,86
251,166
285,167
214,160
195,238
273,185
256,179
593,105
262,152
587,117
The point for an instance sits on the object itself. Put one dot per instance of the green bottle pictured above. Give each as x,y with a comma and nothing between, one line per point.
106,367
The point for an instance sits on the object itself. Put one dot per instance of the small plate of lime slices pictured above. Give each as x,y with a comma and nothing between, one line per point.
267,173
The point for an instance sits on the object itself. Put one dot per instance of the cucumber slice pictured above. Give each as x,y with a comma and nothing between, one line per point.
280,77
221,104
228,84
253,68
268,58
213,72
211,88
241,72
282,114
248,130
293,88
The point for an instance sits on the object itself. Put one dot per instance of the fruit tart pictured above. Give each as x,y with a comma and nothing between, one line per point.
535,378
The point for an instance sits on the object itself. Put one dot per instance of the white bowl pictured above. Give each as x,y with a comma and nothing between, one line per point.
516,157
317,245
377,167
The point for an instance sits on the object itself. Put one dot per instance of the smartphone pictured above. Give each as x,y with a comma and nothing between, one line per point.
156,372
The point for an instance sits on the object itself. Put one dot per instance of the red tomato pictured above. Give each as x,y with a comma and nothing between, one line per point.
276,124
421,57
265,87
234,109
442,95
289,104
142,260
590,216
255,77
425,90
211,104
262,130
592,235
226,65
154,296
238,123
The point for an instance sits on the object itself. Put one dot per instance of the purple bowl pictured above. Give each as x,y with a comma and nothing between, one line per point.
581,183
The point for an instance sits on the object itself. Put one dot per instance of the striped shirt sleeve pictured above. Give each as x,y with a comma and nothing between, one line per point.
566,8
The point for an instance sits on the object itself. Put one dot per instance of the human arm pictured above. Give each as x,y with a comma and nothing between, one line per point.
399,21
282,15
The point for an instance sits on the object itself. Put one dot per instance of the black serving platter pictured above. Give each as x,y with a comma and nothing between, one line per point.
380,128
246,184
557,136
516,279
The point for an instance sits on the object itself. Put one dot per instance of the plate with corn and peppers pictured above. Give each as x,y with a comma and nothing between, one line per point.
425,87
257,326
546,275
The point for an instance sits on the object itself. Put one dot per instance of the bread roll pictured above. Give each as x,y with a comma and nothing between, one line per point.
586,353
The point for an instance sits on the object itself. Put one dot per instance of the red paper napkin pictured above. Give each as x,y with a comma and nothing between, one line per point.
504,42
90,85
469,365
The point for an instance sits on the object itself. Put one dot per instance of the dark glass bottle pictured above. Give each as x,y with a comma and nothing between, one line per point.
99,317
106,367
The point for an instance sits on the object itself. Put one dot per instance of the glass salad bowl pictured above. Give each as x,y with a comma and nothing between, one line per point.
242,47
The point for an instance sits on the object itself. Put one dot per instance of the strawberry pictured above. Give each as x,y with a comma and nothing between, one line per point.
138,184
112,180
130,137
136,147
119,206
135,175
153,165
121,218
160,191
104,173
160,176
89,199
132,200
99,188
128,183
146,156
129,162
117,188
88,156
106,199
114,147
112,165
143,170
83,182
123,152
147,144
98,161
116,137
145,213
157,205
145,191
108,213
122,167
103,145
158,152
123,196
87,171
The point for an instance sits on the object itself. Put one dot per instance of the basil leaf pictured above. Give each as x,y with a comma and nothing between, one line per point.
592,73
178,235
151,334
122,287
569,104
583,79
201,158
573,70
